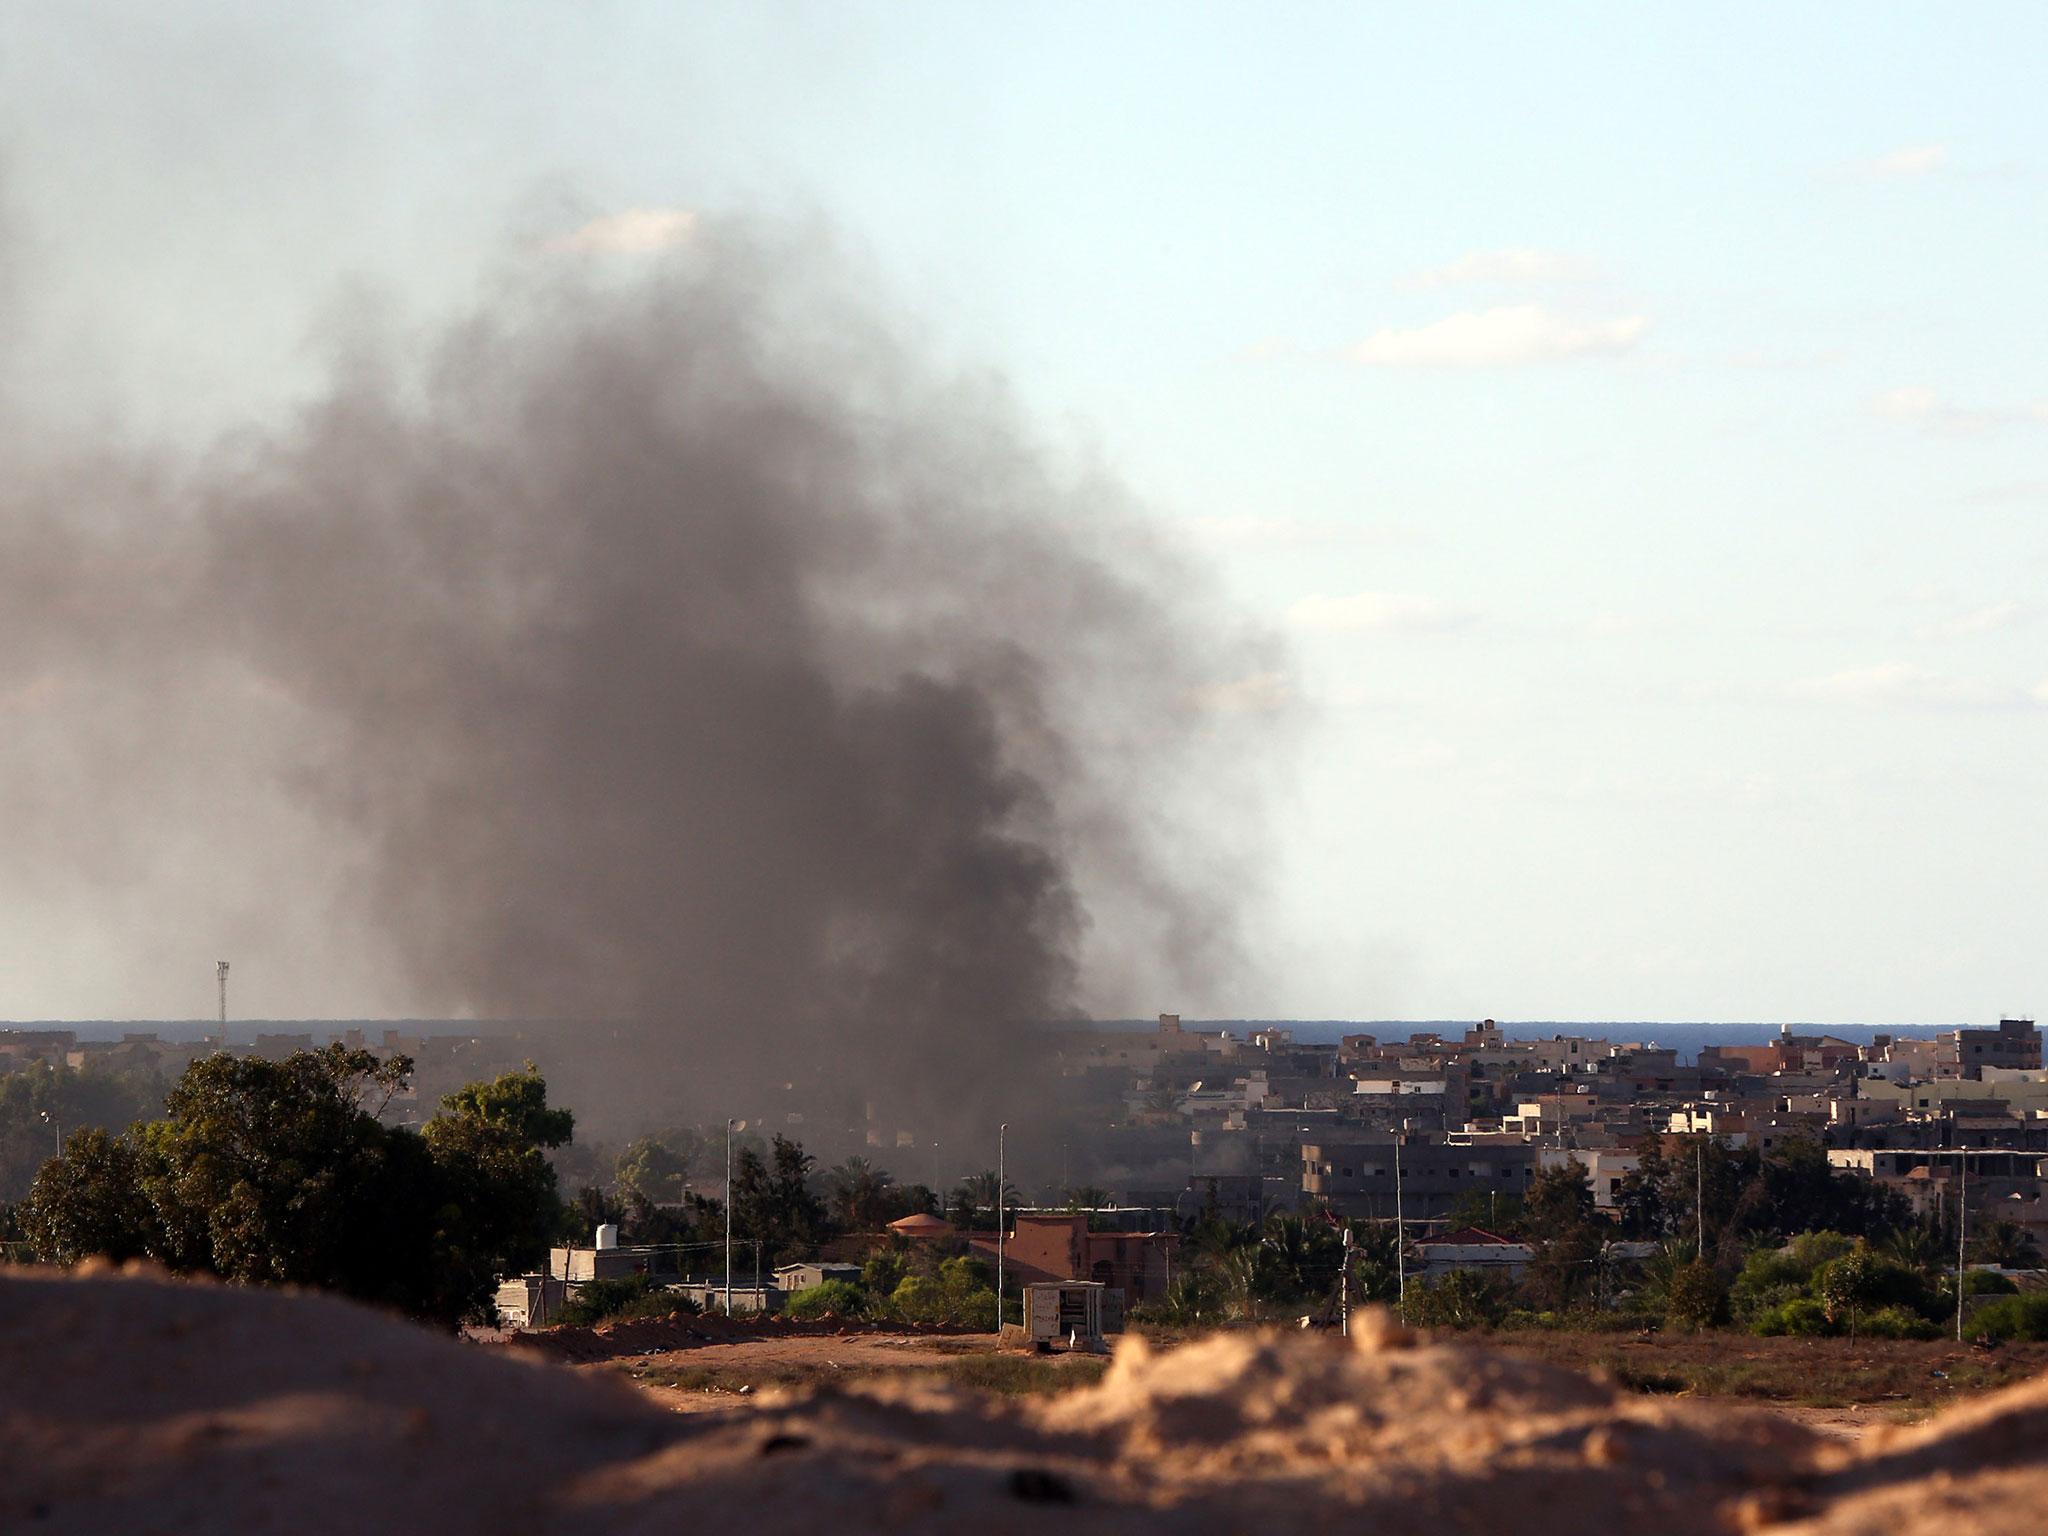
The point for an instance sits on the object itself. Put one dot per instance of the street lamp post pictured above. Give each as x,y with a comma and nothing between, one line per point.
1400,1238
1002,1137
728,1215
1962,1230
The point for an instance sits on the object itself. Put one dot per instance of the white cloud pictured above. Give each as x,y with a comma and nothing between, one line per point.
1977,621
631,232
1386,611
1928,409
1908,160
1521,264
1914,402
1895,684
1504,336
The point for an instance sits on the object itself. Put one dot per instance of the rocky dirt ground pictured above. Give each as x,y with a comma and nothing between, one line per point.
1840,1386
132,1404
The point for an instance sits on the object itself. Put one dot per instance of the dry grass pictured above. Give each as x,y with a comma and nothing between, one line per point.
1817,1373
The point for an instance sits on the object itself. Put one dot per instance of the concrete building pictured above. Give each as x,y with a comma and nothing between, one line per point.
2014,1043
801,1277
1048,1245
1357,1178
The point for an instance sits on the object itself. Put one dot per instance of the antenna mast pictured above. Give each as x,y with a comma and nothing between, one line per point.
221,967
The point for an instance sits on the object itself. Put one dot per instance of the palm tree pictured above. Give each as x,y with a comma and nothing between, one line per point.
1920,1247
979,1189
1088,1197
859,1195
2006,1244
1298,1258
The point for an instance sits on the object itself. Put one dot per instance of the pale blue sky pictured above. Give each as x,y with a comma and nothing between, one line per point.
1637,416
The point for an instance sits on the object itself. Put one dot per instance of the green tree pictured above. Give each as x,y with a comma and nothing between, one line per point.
495,1198
1298,1259
772,1201
89,1202
1569,1239
1696,1298
883,1271
41,1104
282,1173
2006,1244
652,1170
860,1196
974,1200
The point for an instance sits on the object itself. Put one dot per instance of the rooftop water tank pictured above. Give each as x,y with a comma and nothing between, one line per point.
608,1235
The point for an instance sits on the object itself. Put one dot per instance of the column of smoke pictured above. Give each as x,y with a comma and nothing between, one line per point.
673,654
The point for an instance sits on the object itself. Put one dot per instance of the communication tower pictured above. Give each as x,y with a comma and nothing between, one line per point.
221,968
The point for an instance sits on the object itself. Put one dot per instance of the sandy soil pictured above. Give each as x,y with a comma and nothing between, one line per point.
130,1404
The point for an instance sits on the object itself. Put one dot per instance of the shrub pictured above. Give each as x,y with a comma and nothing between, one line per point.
1696,1298
1464,1298
1896,1323
1863,1281
2011,1317
1809,1250
923,1300
1801,1317
634,1296
1193,1297
884,1271
1746,1306
831,1298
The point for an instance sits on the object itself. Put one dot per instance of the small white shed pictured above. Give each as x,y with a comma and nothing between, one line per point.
1079,1309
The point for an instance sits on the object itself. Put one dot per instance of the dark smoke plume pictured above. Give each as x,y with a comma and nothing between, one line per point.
671,652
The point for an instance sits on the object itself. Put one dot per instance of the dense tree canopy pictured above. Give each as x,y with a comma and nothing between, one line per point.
282,1172
39,1103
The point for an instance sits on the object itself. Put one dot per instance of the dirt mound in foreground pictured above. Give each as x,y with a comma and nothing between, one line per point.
132,1404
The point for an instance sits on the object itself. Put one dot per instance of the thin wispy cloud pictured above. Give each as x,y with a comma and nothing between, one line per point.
1506,336
1519,265
1907,161
1928,409
1976,621
1392,612
630,232
1902,685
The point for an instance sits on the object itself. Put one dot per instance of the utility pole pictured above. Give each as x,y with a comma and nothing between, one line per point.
1344,1316
1699,1201
1962,1225
729,1124
1002,1138
1400,1237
